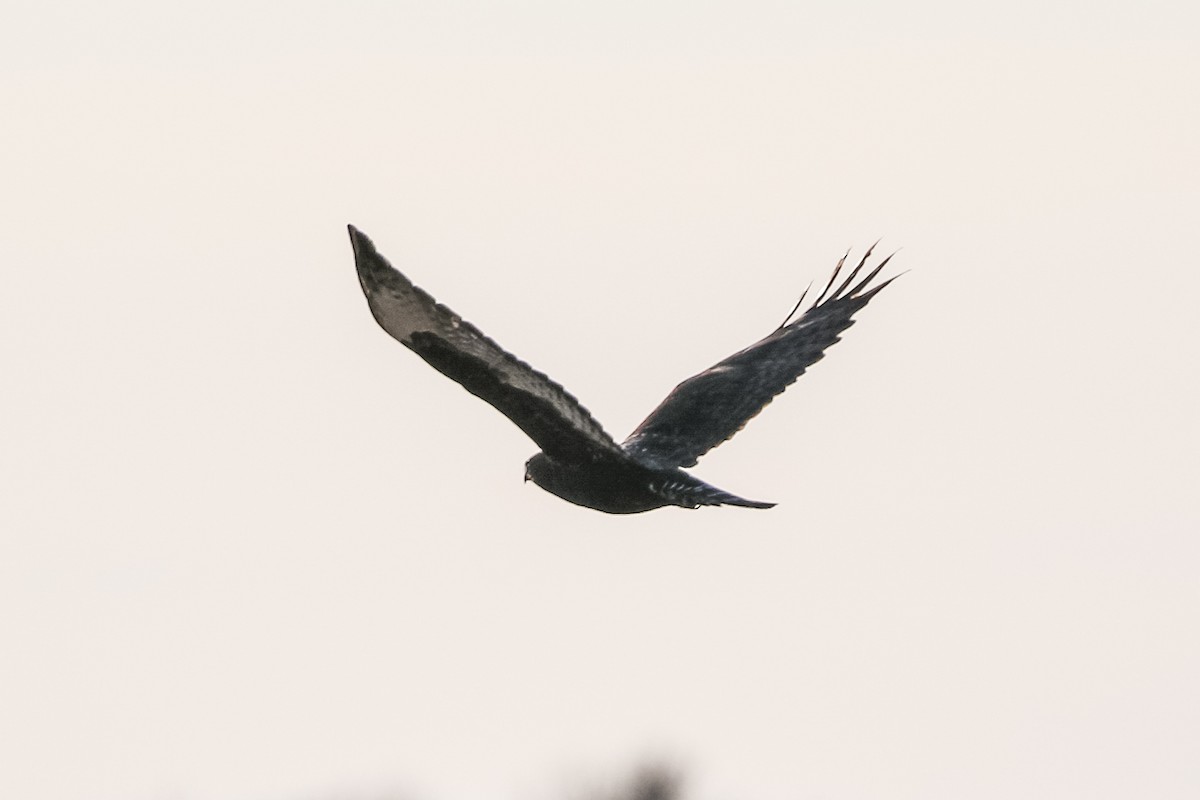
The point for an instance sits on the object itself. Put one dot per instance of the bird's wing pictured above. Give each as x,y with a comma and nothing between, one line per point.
548,414
709,408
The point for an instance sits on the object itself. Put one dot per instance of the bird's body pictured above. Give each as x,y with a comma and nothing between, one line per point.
626,486
578,461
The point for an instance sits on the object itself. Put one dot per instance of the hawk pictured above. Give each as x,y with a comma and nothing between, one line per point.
578,461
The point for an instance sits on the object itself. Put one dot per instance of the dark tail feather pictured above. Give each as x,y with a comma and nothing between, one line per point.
691,492
739,501
712,496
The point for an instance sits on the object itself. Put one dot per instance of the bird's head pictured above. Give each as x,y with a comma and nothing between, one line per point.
537,466
556,478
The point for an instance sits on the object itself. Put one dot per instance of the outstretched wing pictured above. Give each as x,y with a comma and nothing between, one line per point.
555,420
709,408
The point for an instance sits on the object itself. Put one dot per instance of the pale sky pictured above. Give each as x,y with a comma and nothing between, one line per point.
253,549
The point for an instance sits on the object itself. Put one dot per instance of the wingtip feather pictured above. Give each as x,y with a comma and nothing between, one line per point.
795,308
876,290
832,278
359,240
862,285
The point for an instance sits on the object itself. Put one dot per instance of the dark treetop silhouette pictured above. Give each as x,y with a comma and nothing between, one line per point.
579,462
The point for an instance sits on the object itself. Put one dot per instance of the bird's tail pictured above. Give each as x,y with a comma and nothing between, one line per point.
727,499
698,493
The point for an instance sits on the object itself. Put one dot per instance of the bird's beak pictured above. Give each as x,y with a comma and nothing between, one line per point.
526,476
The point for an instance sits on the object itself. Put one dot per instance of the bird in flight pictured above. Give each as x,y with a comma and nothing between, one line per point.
578,461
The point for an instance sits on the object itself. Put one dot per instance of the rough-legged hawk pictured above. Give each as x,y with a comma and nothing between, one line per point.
579,462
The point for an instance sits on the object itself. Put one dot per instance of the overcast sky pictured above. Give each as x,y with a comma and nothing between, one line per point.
251,548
